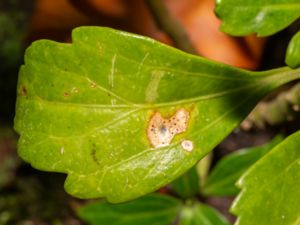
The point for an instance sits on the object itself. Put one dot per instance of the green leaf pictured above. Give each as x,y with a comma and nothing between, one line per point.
188,184
87,109
221,181
153,209
200,214
270,189
264,17
292,58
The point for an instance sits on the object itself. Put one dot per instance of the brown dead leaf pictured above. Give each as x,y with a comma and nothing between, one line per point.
54,19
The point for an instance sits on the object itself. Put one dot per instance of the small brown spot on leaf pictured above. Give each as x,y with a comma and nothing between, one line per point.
23,91
161,130
93,85
66,94
94,157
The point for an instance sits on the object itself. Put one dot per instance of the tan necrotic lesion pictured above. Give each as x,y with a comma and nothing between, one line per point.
162,130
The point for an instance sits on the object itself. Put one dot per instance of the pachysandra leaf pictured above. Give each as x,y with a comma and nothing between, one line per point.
152,209
123,115
292,58
200,214
187,185
270,189
221,181
242,17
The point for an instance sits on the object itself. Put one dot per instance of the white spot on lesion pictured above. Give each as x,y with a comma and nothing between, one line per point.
187,145
162,130
151,93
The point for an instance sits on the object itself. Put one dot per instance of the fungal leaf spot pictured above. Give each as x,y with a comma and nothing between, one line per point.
187,145
162,130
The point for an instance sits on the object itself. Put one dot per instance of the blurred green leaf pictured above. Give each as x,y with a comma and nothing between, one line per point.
203,167
188,184
153,209
87,109
200,214
265,17
222,179
292,58
270,188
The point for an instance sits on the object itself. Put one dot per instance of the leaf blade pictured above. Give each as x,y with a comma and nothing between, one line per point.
200,214
293,52
151,209
269,206
188,185
84,111
264,18
222,179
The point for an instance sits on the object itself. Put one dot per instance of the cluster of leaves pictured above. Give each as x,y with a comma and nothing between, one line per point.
165,210
83,109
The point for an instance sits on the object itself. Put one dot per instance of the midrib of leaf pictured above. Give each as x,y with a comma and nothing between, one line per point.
113,166
113,122
148,106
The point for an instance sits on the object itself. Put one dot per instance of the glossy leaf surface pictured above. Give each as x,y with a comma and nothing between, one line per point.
292,58
200,214
221,181
270,189
153,209
87,109
266,17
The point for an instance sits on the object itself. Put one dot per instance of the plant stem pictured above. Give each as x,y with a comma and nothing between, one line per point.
282,108
170,25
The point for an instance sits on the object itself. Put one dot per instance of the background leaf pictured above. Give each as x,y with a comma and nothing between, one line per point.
292,58
188,185
153,209
241,17
270,189
221,181
86,109
200,214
